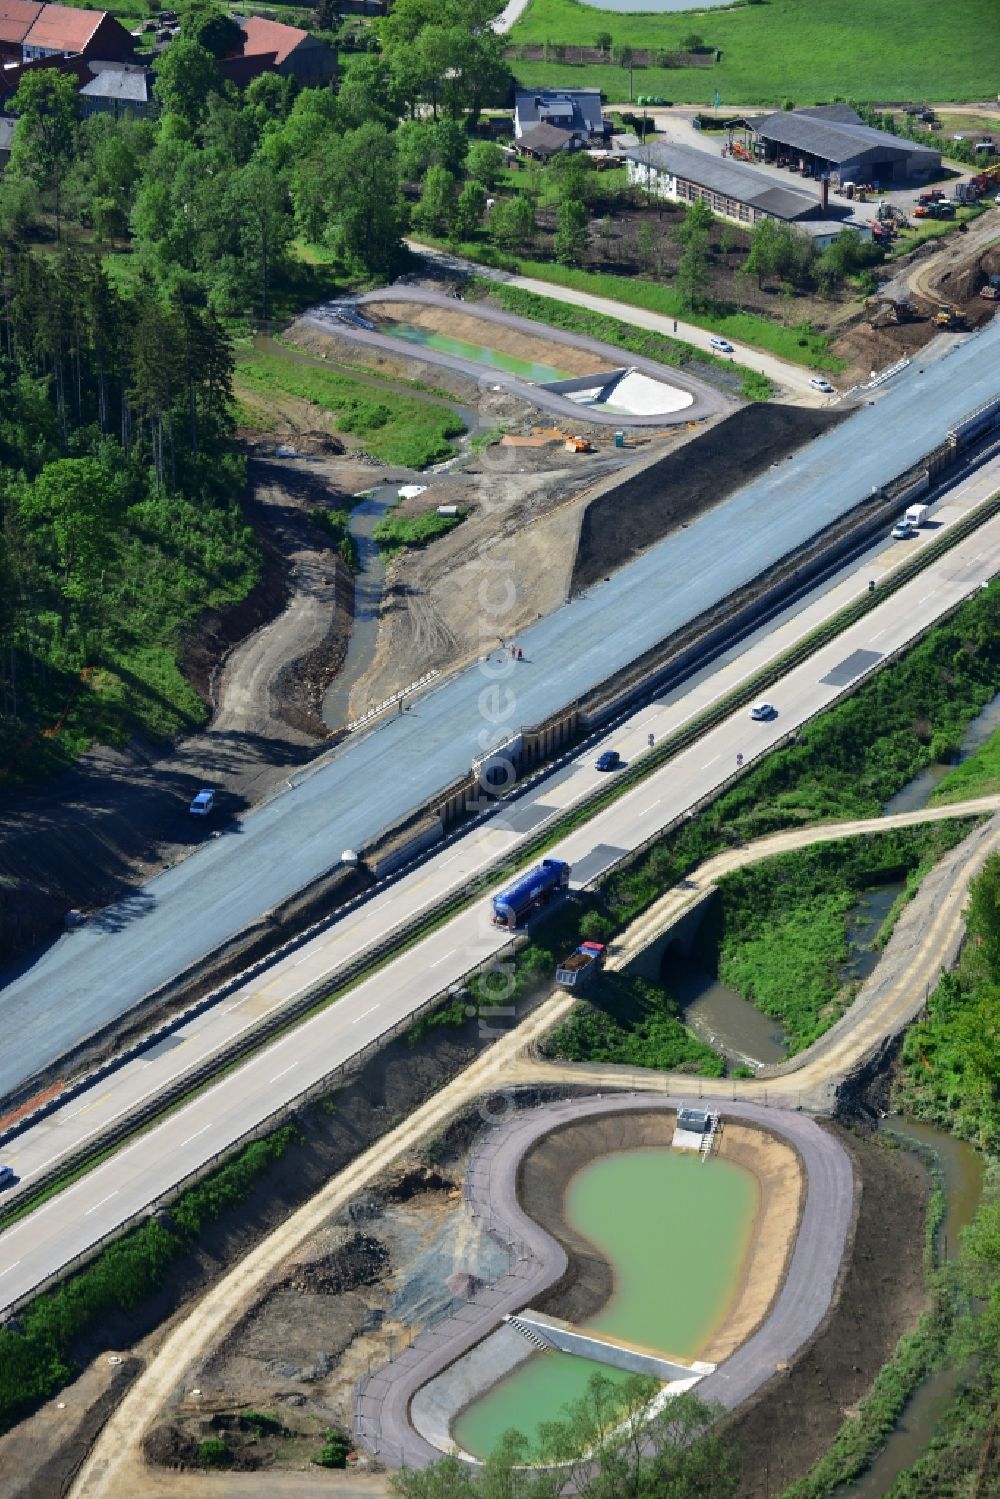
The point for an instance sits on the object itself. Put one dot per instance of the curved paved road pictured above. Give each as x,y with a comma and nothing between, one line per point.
382,1415
706,401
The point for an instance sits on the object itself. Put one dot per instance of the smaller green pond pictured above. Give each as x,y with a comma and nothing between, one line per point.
494,359
535,1392
675,1229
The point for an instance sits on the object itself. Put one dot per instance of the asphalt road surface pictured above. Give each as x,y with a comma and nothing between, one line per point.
90,976
139,1174
383,1424
87,1111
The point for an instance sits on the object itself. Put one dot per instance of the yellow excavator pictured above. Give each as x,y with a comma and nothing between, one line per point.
949,317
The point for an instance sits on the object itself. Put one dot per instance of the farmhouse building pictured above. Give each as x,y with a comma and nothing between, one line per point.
272,47
832,141
575,110
118,90
30,31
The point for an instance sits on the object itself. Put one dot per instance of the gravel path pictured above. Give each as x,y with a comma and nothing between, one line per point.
382,1410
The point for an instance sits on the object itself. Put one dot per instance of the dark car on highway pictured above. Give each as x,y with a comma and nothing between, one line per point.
609,760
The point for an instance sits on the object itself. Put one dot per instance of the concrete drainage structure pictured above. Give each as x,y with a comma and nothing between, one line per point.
642,394
403,1412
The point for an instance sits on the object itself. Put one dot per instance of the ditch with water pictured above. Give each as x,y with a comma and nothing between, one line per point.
917,793
962,1173
676,1230
369,582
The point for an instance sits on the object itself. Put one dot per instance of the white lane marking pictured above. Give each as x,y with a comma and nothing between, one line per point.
707,763
651,806
305,958
444,957
880,632
8,1268
194,1136
358,1018
101,1203
926,597
274,1079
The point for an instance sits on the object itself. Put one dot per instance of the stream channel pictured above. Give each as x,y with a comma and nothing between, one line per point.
962,1172
732,1025
676,1230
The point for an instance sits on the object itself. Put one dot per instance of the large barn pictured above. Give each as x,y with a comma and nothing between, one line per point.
831,140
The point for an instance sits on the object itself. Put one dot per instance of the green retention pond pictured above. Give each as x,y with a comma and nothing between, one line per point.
676,1230
494,359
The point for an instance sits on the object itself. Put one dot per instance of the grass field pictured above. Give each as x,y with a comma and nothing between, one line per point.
884,51
392,427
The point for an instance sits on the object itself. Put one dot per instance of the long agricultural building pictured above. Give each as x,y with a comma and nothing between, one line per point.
832,141
732,190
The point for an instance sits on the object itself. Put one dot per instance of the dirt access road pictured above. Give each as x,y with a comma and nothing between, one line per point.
925,939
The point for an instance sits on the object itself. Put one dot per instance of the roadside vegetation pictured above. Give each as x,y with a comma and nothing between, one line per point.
37,1351
979,775
777,932
396,533
635,1024
668,351
336,523
948,1076
769,51
397,429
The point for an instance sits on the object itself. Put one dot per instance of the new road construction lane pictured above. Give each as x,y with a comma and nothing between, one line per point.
124,1185
85,1114
95,974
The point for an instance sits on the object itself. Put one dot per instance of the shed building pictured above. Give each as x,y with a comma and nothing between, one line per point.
6,139
832,140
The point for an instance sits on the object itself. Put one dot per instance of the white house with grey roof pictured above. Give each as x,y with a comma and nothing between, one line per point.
732,190
118,89
832,140
737,192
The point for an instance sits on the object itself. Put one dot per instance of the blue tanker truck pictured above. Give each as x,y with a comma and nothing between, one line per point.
512,905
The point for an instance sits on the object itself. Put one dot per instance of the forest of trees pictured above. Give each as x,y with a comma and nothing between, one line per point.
130,250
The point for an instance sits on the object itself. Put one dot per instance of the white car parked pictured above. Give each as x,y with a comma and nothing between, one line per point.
202,804
720,345
818,383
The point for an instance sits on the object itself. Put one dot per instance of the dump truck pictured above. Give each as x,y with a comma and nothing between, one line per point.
532,890
576,971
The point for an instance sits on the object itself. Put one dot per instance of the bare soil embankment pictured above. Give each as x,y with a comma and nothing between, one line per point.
789,1425
664,495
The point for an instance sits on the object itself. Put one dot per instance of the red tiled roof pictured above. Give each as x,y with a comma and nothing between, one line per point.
261,35
16,18
62,28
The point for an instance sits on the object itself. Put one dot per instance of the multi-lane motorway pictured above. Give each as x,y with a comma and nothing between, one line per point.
95,974
84,1115
122,1186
